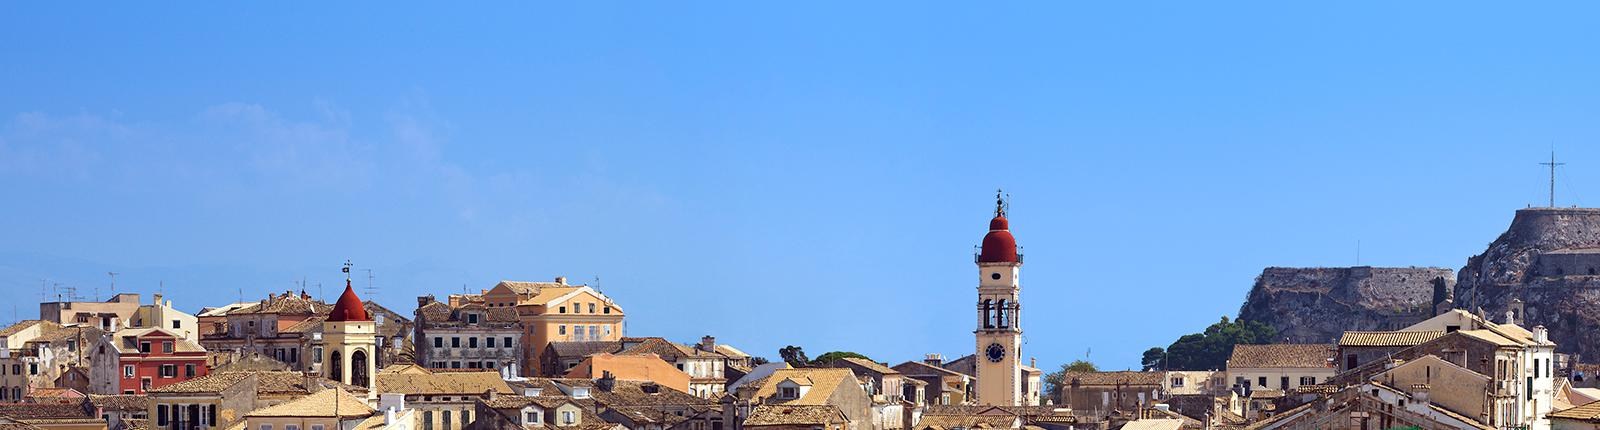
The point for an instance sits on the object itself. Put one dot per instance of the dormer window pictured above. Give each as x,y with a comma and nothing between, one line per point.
580,392
472,318
532,391
789,392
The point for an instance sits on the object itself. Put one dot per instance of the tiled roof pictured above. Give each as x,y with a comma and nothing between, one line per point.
1491,337
920,368
134,424
1586,412
325,403
1387,338
223,310
267,382
824,382
1113,378
19,426
966,421
632,394
528,288
449,383
179,343
667,350
730,351
1265,394
84,334
24,325
585,348
434,311
124,402
871,365
765,415
45,411
288,303
1282,355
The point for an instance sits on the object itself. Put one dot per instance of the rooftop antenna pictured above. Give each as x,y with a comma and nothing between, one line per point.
1553,165
370,289
113,276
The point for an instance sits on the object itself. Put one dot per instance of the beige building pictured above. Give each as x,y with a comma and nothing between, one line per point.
333,409
819,387
443,400
110,315
1581,417
555,311
1281,366
20,367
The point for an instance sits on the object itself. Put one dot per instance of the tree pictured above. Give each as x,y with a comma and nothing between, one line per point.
794,355
1154,359
1057,379
757,361
1209,350
828,357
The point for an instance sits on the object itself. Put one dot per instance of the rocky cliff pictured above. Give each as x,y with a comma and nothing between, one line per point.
1316,305
1545,270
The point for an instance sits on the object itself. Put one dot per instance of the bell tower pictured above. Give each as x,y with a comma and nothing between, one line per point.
999,329
349,337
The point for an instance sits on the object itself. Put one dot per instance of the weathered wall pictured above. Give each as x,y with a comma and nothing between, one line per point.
1316,305
1567,303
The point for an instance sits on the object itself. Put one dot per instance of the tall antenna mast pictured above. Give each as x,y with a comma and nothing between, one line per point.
1553,165
113,276
370,289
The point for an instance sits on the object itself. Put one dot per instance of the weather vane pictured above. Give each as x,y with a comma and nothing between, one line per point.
346,270
1000,204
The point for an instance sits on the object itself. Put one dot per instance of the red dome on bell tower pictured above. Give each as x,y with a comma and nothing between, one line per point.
349,307
999,246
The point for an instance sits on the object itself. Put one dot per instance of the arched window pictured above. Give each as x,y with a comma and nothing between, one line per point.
988,313
335,366
358,368
1004,321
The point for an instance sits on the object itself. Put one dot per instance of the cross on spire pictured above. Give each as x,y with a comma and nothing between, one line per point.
1000,204
1553,165
346,271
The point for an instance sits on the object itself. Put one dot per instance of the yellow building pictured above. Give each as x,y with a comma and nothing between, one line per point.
350,341
333,409
444,400
555,311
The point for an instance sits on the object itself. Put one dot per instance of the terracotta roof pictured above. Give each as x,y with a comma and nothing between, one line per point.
966,421
26,324
1491,337
1587,412
449,383
1265,394
287,303
1387,338
625,394
267,382
1113,378
82,333
870,365
548,294
325,403
179,343
528,288
585,348
766,415
434,311
920,368
19,426
124,402
824,382
45,411
1282,355
308,325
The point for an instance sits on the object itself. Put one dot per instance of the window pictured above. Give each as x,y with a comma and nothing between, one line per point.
438,342
591,308
472,342
318,357
1177,382
176,324
507,342
562,309
161,415
33,369
789,392
455,342
266,427
169,371
577,331
1311,380
1283,382
561,330
127,371
472,318
188,370
455,365
608,309
166,347
1262,381
211,414
316,427
531,417
566,417
427,420
490,341
466,417
445,415
144,347
290,427
594,332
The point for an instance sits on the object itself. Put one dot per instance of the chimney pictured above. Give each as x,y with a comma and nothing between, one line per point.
1540,335
934,359
489,394
1419,394
1033,362
708,343
607,381
313,382
561,280
158,300
424,300
1511,317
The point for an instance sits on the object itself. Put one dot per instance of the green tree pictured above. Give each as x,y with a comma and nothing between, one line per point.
828,357
1154,359
794,355
1209,350
1055,380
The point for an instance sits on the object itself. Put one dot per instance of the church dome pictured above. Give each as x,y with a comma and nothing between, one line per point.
349,307
998,245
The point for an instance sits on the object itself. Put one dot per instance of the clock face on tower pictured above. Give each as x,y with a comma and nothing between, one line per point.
995,352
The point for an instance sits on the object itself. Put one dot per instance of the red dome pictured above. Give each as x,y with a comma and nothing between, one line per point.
349,307
998,245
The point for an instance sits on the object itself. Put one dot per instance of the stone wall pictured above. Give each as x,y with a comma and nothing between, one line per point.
1316,305
1566,303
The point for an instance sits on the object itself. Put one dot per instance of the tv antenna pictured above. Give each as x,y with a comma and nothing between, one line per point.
1553,165
113,276
370,290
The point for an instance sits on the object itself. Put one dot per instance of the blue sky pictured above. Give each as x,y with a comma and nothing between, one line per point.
811,174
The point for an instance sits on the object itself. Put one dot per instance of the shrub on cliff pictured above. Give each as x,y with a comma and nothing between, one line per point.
1209,350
